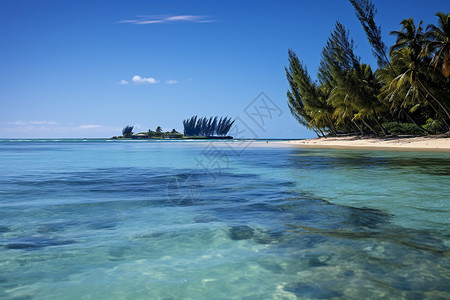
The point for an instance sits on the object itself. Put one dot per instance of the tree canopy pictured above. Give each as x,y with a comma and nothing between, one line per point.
195,126
409,93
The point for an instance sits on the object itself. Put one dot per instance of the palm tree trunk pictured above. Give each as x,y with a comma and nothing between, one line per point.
315,131
390,65
359,128
435,110
379,124
330,123
414,122
370,127
321,131
434,98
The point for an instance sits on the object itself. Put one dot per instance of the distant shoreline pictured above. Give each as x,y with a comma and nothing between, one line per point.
411,143
440,143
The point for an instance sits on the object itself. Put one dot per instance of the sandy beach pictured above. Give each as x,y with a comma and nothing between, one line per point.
412,143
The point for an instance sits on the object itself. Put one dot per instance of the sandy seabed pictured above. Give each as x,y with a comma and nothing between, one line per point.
413,143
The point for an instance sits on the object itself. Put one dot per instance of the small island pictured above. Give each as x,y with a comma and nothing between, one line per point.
194,128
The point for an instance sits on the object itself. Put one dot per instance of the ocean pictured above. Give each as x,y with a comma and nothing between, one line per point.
102,219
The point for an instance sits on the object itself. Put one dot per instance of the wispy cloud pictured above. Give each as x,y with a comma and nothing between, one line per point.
140,20
26,123
38,129
136,79
90,126
144,80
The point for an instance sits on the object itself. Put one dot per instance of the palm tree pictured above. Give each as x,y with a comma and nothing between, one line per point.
439,42
307,101
365,12
399,92
354,85
358,90
409,36
158,131
207,127
413,39
127,131
295,101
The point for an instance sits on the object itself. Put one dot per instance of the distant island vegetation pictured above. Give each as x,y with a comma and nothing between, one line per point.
194,128
409,93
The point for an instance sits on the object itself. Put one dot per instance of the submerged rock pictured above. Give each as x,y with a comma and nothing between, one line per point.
241,232
268,237
35,242
366,217
117,253
204,219
311,291
318,261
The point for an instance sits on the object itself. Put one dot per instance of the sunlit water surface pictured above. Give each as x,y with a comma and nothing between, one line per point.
200,220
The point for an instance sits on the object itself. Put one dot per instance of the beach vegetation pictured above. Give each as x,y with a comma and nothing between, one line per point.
409,92
158,131
199,128
127,131
212,126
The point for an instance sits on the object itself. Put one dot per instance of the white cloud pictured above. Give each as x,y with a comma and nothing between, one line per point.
147,80
171,81
123,82
59,131
25,123
19,123
169,18
89,126
43,123
189,18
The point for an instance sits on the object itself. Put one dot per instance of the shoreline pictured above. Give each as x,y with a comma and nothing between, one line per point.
403,143
440,143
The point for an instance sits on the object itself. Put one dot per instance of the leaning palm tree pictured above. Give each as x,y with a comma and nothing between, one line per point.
413,38
365,12
400,92
355,87
306,100
439,42
358,90
295,100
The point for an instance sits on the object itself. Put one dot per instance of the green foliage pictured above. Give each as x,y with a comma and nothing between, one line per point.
127,131
306,100
365,12
408,94
158,131
397,128
438,38
151,133
433,126
207,127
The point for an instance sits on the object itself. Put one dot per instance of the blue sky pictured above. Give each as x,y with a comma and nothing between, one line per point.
88,68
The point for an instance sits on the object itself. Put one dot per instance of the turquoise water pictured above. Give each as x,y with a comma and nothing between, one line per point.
220,220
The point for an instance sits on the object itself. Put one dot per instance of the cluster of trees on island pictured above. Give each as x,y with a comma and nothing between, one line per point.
194,127
409,93
127,132
207,127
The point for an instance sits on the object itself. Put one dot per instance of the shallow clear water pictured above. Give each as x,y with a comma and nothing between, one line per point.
200,220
